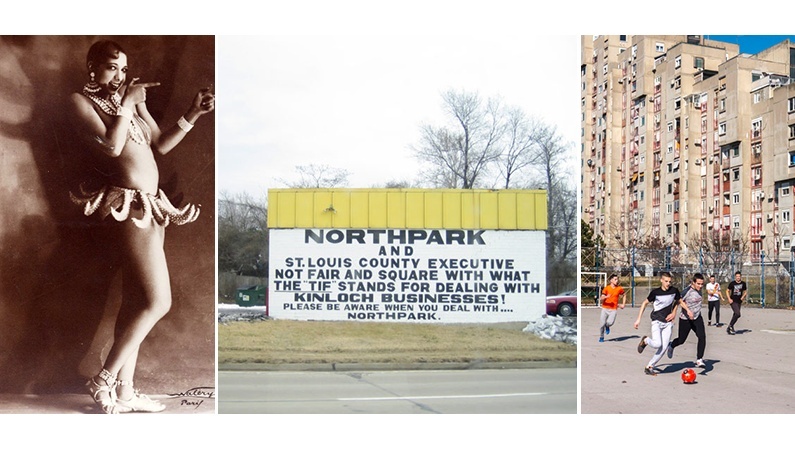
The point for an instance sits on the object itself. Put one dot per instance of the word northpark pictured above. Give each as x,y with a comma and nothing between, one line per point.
394,237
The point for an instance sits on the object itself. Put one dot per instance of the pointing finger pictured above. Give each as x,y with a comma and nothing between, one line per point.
146,85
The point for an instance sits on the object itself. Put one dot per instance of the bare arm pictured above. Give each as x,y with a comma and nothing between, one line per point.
108,139
640,313
165,141
684,306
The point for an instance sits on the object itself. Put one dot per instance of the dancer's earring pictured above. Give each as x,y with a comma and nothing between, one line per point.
92,87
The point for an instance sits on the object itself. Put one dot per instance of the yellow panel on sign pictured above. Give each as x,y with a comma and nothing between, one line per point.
408,208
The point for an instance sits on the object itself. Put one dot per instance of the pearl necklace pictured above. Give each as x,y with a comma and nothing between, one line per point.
138,131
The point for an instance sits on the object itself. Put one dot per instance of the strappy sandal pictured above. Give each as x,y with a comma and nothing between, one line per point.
97,391
139,402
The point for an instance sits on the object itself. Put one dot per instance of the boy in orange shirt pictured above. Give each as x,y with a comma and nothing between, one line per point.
609,299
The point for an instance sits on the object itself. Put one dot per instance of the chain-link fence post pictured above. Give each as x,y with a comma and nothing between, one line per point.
632,276
762,293
792,277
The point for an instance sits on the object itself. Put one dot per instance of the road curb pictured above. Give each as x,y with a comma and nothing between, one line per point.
358,367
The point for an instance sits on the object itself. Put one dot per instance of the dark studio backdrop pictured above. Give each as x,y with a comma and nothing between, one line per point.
59,292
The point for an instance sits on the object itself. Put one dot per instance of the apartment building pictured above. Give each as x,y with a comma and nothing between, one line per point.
686,139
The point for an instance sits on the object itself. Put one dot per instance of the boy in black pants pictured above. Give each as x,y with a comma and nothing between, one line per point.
736,292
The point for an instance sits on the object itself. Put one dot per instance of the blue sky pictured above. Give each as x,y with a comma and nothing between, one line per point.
750,43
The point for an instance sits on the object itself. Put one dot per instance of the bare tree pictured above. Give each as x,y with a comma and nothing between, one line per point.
721,250
459,155
242,235
318,176
517,147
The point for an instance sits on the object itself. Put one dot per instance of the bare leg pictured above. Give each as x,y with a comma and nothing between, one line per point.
146,294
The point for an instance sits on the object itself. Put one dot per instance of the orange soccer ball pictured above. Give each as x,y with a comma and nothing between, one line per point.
688,376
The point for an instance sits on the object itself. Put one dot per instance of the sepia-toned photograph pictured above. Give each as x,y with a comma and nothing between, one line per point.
107,237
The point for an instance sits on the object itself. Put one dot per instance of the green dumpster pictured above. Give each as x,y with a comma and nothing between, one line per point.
251,296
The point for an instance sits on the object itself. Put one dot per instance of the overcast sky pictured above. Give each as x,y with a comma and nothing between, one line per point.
357,102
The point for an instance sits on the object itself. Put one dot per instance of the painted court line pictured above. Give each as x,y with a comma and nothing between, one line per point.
436,397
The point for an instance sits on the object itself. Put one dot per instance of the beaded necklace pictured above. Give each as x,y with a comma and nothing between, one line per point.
139,131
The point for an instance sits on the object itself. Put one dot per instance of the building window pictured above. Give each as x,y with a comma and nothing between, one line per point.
622,37
677,62
792,131
735,198
698,62
736,174
722,129
756,176
792,158
660,47
677,103
757,96
722,105
785,191
756,128
736,222
785,243
791,104
785,216
670,127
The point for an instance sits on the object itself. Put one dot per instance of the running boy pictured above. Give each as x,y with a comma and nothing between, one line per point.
736,292
609,298
690,319
665,301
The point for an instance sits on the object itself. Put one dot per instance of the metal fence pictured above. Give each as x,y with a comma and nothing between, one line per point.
770,283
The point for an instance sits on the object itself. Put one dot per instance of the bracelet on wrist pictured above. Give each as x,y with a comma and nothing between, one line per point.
184,124
125,112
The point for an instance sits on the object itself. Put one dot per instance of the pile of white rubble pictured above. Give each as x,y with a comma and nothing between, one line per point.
555,328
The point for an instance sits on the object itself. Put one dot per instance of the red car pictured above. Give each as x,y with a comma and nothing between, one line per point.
564,304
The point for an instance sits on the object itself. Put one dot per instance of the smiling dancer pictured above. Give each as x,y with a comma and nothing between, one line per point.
128,208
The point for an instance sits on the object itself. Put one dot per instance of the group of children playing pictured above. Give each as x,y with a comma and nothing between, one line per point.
665,302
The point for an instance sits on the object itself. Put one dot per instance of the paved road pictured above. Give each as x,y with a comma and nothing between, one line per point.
482,391
750,372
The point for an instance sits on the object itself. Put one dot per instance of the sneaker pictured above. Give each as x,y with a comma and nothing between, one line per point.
139,403
709,323
601,339
607,330
642,344
670,351
650,371
718,325
730,330
700,363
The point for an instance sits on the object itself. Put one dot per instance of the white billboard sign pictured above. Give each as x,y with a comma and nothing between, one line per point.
407,275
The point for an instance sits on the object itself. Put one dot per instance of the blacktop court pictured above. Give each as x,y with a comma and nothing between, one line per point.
752,372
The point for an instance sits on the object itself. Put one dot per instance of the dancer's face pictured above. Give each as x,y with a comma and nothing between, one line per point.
111,74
